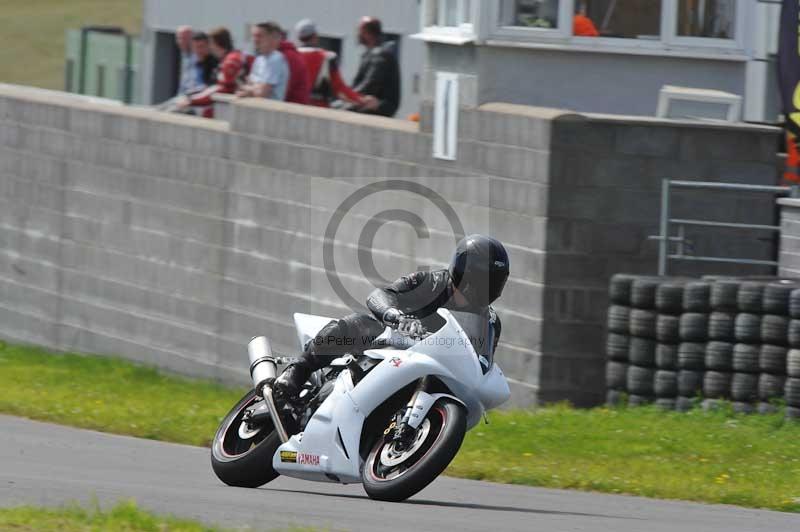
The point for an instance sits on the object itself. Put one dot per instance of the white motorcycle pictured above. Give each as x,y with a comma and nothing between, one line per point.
391,418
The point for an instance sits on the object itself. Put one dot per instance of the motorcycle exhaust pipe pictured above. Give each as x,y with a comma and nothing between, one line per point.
263,370
263,366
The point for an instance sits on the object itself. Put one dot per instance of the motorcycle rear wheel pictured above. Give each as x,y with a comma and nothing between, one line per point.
392,475
242,456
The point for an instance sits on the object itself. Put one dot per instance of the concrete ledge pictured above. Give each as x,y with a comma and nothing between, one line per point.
336,115
789,202
74,101
651,121
528,111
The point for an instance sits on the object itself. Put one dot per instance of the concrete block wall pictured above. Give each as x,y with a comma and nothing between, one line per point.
172,240
789,257
605,191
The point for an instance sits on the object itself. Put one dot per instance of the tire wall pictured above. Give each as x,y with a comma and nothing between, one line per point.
681,342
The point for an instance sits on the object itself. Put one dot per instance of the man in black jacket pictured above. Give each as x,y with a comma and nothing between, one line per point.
476,277
378,74
205,62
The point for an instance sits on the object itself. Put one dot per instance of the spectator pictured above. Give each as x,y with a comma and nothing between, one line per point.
298,90
205,62
187,82
229,74
582,25
378,74
322,67
269,76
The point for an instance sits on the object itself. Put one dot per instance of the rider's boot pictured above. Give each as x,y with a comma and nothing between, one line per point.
285,390
288,385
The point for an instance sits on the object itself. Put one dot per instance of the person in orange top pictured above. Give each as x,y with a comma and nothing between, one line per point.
582,26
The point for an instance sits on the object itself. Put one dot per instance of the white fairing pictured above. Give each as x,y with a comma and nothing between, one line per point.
308,326
494,390
328,450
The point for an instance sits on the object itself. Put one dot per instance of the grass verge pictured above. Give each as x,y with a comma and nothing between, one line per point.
124,516
111,395
717,457
34,35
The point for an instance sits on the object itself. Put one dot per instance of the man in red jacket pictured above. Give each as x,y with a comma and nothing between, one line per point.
323,70
298,89
230,73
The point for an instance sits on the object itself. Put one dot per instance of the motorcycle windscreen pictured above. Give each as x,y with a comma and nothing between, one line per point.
481,335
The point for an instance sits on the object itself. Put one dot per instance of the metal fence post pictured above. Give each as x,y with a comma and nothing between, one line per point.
663,244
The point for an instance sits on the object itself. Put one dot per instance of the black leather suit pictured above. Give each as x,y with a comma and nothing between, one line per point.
418,294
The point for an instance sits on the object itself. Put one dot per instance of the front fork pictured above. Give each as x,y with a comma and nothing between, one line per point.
406,422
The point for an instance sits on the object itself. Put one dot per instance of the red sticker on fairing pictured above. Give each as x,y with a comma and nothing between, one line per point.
308,459
395,361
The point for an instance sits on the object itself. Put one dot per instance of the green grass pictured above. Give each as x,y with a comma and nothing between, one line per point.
715,457
34,34
125,516
111,395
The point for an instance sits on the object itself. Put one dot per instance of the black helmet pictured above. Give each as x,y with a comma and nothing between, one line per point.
479,269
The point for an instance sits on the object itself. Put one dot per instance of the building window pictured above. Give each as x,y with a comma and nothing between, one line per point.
711,19
648,26
627,19
530,13
448,13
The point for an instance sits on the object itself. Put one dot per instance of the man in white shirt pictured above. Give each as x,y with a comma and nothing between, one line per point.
270,72
187,83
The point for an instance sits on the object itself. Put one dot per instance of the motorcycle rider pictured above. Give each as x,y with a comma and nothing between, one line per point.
477,274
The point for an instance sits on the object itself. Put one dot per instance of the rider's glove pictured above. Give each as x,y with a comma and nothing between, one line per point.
392,316
410,326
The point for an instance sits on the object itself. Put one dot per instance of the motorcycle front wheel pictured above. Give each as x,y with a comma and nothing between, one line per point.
392,474
241,454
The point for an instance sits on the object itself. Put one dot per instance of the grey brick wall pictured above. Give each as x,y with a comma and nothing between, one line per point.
789,257
172,240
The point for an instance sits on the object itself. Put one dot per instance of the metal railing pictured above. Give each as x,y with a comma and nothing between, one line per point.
666,221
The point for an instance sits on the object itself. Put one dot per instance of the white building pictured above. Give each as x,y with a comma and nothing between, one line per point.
523,51
336,21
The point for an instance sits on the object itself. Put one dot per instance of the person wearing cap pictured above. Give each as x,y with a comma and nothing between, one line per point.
378,74
322,67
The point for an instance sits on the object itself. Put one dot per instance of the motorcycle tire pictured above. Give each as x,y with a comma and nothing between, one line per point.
390,477
244,462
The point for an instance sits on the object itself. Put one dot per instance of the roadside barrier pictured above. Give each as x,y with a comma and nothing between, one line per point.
680,342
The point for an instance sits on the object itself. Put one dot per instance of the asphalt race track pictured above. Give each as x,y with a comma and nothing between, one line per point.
44,464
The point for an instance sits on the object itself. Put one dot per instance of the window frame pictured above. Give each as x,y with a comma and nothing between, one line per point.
464,31
673,39
562,33
668,41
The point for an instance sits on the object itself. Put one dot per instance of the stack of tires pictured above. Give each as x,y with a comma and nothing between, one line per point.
679,342
642,347
774,342
732,361
618,339
693,330
669,303
792,387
